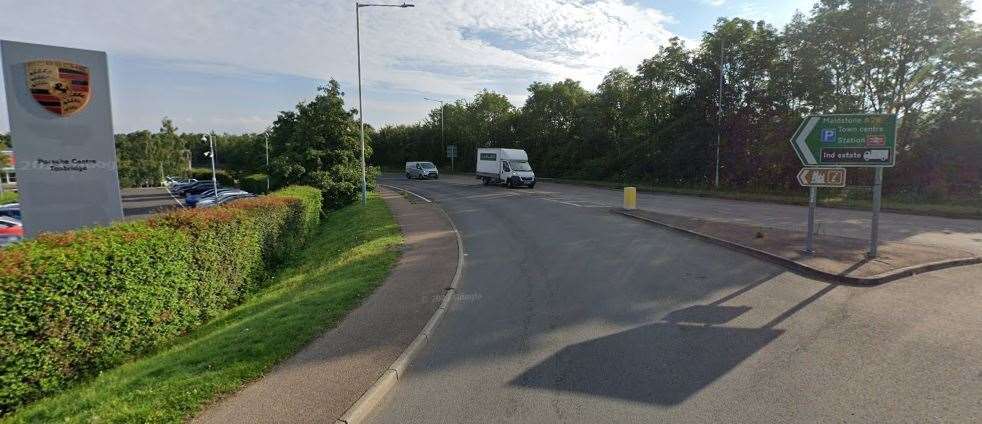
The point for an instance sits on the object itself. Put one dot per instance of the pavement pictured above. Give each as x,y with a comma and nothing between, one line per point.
839,259
569,313
326,377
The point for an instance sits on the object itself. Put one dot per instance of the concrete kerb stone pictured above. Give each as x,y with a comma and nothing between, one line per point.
806,270
374,395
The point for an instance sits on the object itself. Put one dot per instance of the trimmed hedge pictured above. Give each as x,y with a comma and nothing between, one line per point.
204,174
75,303
253,183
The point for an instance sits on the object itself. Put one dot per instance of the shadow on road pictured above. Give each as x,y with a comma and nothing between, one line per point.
662,363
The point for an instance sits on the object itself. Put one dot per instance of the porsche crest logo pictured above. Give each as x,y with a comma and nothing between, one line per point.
60,87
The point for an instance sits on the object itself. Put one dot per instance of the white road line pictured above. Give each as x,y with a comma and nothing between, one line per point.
174,197
407,191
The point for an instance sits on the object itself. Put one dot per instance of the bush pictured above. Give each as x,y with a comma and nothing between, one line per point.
78,302
204,174
253,183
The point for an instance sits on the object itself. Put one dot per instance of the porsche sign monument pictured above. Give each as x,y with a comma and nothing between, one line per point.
61,126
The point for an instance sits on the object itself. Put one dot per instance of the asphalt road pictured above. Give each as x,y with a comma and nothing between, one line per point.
143,202
568,313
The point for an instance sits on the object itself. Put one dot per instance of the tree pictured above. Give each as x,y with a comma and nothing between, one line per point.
317,144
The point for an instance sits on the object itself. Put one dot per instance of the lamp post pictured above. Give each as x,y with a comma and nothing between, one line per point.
443,136
361,109
266,141
211,153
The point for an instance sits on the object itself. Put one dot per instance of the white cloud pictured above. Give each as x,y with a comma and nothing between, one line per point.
450,48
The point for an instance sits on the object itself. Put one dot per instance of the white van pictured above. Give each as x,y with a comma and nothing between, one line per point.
422,170
505,166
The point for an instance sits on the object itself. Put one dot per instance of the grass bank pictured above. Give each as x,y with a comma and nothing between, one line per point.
347,258
8,196
833,198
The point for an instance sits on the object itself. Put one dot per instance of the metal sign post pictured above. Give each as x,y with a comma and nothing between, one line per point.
809,238
853,140
452,154
875,226
813,178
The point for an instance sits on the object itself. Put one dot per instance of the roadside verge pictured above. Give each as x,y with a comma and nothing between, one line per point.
836,259
342,374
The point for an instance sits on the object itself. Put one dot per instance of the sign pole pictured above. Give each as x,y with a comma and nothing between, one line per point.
809,239
875,225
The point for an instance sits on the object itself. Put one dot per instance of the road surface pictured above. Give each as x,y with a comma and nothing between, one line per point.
569,313
143,202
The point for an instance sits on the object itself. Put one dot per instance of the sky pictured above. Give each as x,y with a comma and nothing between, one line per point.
232,65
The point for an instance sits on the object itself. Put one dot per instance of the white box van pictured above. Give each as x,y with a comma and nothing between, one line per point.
422,170
505,166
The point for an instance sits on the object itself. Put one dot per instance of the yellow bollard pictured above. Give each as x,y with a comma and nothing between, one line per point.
630,198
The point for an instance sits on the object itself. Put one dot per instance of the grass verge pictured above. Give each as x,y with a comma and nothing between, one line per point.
827,197
8,196
349,256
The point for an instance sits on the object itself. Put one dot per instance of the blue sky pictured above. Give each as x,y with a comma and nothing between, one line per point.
231,66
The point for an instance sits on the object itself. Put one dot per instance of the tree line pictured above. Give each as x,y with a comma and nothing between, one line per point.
753,84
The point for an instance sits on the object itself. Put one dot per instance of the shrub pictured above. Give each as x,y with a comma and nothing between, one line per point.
75,303
204,174
253,183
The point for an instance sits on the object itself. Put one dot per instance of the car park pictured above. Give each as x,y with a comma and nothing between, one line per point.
11,230
222,199
192,199
10,210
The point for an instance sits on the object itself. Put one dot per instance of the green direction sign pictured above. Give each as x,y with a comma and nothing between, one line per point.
847,140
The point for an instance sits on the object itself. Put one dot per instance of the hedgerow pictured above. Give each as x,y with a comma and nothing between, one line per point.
75,303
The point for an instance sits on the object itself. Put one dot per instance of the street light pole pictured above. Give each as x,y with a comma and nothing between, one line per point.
266,140
211,154
443,135
361,109
719,109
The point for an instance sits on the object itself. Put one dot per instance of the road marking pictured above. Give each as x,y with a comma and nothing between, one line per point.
175,198
407,191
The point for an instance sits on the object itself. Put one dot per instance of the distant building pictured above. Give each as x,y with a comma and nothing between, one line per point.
8,175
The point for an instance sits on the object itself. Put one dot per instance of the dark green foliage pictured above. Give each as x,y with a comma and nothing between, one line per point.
253,183
318,145
79,302
204,174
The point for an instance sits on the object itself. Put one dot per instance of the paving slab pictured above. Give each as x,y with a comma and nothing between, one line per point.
326,377
839,258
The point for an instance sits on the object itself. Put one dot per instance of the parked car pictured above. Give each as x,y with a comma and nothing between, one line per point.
10,209
198,188
422,170
11,230
222,199
193,199
505,166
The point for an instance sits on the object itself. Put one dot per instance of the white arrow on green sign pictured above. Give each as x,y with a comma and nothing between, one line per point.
863,140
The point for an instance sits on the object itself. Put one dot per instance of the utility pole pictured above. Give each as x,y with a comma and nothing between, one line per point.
361,110
443,134
211,154
266,140
719,108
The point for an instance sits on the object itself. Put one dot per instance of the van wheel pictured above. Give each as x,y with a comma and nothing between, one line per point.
485,180
509,184
408,177
532,185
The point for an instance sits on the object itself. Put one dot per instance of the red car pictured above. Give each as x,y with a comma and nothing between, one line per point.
10,227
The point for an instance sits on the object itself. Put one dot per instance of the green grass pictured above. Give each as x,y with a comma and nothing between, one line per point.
8,196
833,198
348,258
